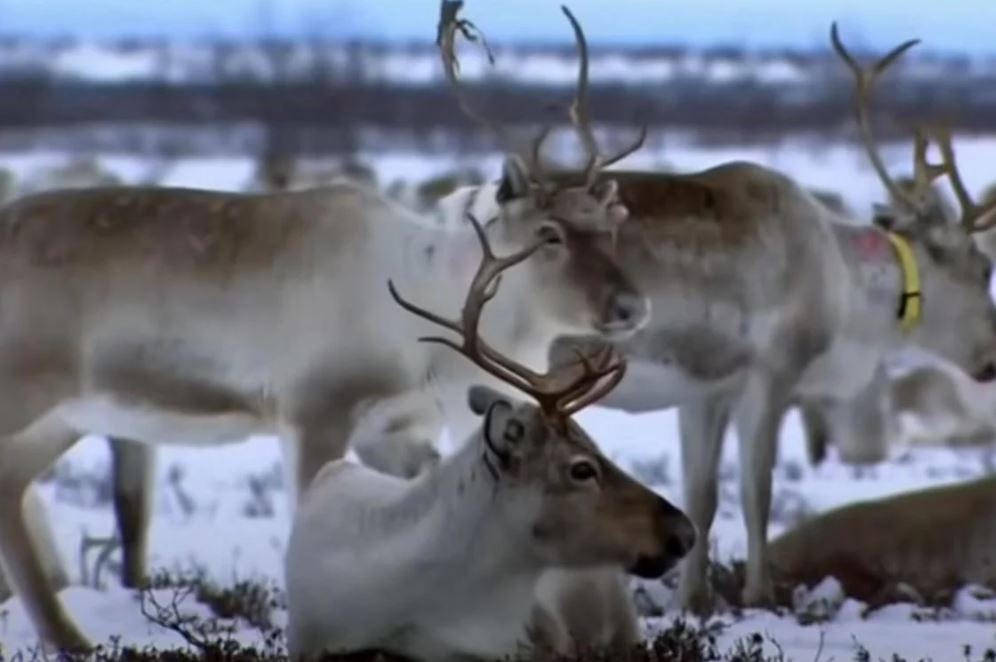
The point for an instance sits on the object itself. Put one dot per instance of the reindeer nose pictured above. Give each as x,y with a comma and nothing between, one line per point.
678,536
681,539
626,312
987,373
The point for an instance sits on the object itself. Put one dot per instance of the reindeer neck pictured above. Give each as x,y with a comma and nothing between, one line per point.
876,283
455,517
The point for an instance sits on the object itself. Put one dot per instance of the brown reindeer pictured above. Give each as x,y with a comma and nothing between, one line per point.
932,540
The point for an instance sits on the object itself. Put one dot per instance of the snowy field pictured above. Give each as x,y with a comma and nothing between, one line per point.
224,509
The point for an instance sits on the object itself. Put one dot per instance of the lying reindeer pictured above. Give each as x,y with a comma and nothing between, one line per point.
158,315
764,297
933,540
446,566
930,404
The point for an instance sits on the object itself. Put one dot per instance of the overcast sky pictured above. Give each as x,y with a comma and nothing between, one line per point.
948,25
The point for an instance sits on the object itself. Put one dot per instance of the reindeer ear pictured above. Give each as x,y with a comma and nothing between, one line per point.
607,194
514,180
606,191
480,398
884,216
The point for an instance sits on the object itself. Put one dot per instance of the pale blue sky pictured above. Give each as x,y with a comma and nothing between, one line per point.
949,25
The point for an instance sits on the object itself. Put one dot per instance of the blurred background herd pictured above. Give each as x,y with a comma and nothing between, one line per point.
260,94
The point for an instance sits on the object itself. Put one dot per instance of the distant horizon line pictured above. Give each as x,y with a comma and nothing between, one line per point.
527,42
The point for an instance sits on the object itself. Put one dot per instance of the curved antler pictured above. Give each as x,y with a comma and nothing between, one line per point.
579,112
557,395
446,32
450,25
864,84
924,172
971,212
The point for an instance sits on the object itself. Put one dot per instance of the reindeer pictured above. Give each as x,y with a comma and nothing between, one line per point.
764,297
371,558
875,547
121,307
932,401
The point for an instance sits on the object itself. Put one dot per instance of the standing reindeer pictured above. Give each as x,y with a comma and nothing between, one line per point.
372,558
159,315
948,406
763,297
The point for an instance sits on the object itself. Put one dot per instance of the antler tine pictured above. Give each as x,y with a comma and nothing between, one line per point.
626,151
482,289
924,172
579,106
596,387
554,401
449,25
865,79
579,112
970,210
589,374
536,168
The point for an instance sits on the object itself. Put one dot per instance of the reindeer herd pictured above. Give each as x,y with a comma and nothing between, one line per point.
156,315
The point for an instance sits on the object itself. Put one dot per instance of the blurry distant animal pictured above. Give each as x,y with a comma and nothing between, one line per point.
933,541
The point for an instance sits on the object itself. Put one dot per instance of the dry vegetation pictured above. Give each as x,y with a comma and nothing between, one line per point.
253,603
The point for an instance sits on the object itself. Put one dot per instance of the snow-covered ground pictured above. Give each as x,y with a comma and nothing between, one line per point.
224,509
208,515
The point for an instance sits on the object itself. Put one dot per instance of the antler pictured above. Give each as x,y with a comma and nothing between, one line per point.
864,84
446,31
971,211
579,112
924,172
450,24
556,398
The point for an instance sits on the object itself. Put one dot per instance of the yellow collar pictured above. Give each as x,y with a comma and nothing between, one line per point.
910,300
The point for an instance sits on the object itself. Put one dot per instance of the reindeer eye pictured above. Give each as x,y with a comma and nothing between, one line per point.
550,235
582,471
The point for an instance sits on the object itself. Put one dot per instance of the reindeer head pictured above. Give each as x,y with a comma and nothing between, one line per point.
569,217
567,501
959,317
555,491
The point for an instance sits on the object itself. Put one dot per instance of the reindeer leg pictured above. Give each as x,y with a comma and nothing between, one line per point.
22,457
37,522
701,427
758,415
817,431
133,468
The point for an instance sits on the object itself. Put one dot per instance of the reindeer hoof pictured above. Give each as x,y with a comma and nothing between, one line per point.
67,640
759,596
701,603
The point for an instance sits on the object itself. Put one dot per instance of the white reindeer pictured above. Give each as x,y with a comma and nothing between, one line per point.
446,566
168,315
922,399
764,297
